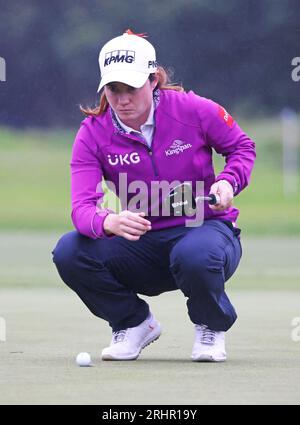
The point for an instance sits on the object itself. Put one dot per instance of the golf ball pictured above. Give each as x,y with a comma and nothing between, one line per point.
83,359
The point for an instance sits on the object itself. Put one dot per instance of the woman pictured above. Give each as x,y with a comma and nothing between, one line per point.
144,132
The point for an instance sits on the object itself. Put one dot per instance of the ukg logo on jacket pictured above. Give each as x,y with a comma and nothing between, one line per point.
177,147
120,159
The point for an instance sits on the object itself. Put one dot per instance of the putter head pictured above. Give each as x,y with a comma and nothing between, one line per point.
181,201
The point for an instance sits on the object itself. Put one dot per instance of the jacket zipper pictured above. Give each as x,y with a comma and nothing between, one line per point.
152,160
150,151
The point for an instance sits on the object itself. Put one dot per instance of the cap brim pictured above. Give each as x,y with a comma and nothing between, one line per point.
132,78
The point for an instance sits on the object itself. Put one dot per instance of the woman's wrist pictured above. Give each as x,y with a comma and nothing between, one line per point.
107,224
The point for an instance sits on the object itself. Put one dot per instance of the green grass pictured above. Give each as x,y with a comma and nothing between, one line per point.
267,262
47,325
47,328
35,182
35,177
264,209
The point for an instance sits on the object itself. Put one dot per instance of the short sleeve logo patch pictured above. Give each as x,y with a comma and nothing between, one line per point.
225,116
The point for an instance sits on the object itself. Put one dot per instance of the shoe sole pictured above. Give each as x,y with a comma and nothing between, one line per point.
208,359
134,356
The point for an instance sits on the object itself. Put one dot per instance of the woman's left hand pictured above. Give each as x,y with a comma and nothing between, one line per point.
224,190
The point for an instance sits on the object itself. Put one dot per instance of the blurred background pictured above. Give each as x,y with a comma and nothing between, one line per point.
242,54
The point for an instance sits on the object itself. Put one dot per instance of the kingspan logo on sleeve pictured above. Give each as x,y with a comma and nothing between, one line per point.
177,147
117,56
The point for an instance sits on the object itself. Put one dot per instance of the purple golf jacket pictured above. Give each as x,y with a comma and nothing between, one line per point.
187,129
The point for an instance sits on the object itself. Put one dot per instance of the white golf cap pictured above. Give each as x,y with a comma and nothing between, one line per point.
127,59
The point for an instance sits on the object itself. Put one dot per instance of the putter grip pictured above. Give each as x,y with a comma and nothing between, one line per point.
213,199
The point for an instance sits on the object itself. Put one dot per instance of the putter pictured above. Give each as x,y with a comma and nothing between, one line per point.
181,200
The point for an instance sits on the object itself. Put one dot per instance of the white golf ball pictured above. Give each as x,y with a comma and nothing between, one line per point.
83,359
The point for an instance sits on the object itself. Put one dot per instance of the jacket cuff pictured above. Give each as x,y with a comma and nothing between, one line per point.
230,179
97,224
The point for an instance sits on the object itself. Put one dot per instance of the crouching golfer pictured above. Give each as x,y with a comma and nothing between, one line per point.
147,130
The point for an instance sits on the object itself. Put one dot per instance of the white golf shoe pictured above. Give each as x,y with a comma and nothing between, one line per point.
127,344
209,345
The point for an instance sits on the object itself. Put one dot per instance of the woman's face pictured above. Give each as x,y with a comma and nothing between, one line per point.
130,104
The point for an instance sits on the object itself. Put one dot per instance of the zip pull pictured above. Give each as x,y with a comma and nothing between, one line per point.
150,152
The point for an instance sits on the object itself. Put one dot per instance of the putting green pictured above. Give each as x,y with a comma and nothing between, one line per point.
46,328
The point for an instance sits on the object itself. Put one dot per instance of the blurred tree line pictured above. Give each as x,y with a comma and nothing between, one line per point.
237,52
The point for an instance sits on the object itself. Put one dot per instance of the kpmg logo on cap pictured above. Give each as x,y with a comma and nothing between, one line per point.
116,56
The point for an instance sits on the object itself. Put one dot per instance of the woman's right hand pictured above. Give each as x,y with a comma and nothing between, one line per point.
127,224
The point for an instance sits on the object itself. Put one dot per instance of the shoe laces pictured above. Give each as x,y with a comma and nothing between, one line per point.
119,336
204,335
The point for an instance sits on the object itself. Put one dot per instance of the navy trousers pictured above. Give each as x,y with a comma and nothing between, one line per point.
109,273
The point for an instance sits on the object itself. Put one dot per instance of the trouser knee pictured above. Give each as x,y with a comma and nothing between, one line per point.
65,253
197,271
